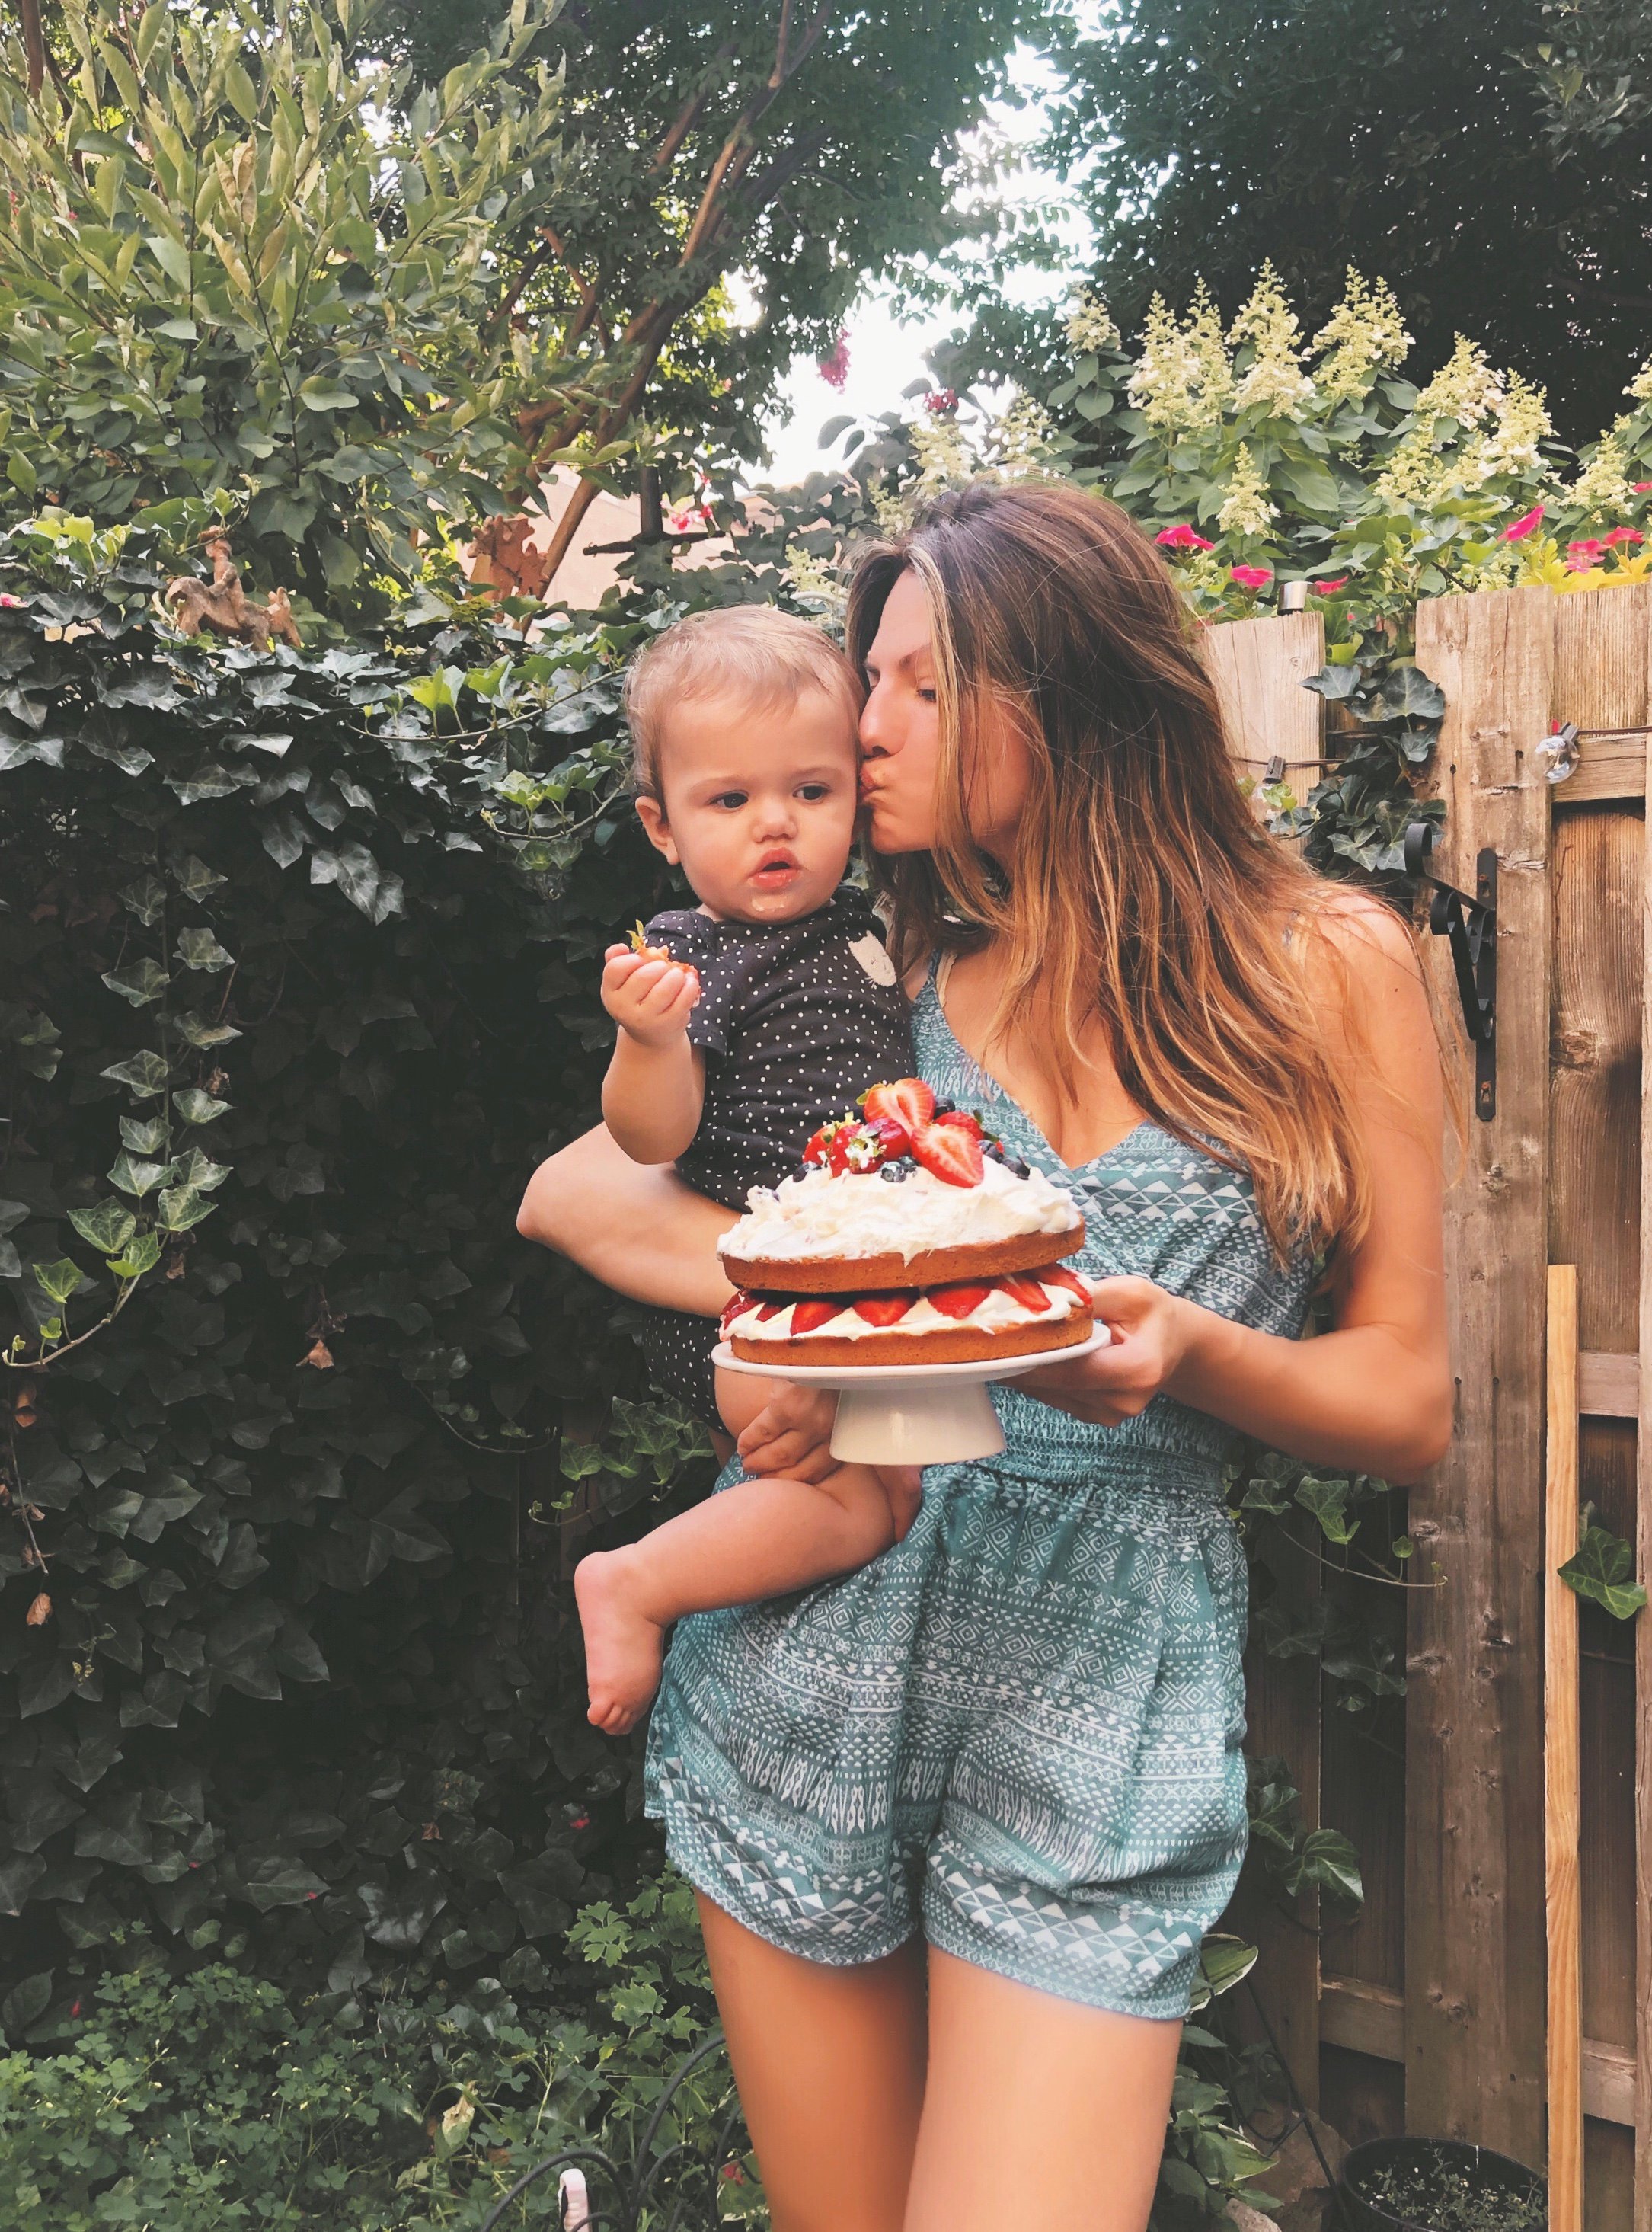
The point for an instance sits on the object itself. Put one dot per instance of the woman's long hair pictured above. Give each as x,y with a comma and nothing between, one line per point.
1142,897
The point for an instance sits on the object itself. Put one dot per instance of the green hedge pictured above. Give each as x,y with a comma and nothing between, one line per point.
267,964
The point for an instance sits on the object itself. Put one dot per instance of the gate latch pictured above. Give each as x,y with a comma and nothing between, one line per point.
1471,926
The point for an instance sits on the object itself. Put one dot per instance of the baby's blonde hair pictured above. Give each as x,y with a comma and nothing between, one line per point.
751,652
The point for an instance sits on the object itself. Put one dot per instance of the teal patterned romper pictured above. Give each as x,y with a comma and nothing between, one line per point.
1020,1728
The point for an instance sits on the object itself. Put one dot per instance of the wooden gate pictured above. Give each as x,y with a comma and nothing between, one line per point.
1430,2014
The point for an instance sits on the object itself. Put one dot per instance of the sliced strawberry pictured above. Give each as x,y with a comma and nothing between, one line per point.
909,1102
959,1299
767,1310
949,1154
1026,1292
810,1316
736,1306
1059,1276
962,1120
885,1309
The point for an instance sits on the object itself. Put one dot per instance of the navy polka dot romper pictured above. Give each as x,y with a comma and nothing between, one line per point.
795,1020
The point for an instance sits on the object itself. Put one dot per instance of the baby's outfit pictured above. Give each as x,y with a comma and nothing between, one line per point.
796,1020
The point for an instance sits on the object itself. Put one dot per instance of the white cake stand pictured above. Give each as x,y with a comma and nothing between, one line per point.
914,1413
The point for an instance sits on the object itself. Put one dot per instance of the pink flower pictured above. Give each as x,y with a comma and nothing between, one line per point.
11,600
834,369
1251,577
1181,538
1582,557
1329,588
939,399
1524,524
580,1821
1624,535
1641,487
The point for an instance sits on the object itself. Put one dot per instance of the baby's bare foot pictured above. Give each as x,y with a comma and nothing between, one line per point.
623,1646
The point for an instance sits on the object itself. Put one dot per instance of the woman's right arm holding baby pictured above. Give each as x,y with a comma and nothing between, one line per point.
654,1093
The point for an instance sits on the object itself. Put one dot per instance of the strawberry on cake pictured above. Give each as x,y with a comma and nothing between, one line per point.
909,1237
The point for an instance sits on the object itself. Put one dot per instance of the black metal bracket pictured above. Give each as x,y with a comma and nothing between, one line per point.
1471,926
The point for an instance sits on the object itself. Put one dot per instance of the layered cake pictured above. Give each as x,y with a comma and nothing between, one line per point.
908,1236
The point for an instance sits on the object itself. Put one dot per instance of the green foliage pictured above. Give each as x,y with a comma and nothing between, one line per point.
1490,159
302,1689
1602,1570
221,2099
254,275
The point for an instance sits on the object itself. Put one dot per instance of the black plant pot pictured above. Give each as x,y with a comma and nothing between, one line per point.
1493,2176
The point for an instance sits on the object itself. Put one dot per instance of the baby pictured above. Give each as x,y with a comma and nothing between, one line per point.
776,1009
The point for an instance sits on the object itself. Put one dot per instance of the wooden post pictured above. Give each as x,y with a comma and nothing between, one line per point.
1475,1965
1561,1764
1258,667
1643,1622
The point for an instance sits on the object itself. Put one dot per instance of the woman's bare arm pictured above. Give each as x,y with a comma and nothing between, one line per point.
1375,1393
635,1226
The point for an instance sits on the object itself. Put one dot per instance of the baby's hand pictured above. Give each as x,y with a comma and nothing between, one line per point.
649,998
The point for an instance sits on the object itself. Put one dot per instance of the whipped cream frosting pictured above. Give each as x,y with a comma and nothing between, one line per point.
997,1312
859,1213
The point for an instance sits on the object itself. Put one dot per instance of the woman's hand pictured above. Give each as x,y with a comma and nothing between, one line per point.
1150,1334
792,1434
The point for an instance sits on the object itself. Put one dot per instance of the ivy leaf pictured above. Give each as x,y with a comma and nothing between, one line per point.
199,949
196,1107
1334,683
25,2003
1328,1501
198,1169
12,1214
373,890
199,1032
1405,690
142,1256
141,982
282,1880
192,875
145,899
181,1206
130,1175
147,1136
399,1916
1328,1863
145,1074
60,1280
1601,1571
107,1228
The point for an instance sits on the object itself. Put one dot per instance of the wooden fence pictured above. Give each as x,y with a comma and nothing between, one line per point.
1432,2012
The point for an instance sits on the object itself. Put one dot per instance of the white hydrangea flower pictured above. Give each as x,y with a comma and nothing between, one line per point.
1603,484
1023,437
938,445
1641,387
1522,423
1465,388
1246,509
1275,378
1184,380
1364,334
1091,328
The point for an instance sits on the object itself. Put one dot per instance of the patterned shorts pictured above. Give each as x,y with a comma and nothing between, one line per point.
1018,1731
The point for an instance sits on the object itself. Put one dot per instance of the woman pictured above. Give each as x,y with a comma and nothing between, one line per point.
959,1821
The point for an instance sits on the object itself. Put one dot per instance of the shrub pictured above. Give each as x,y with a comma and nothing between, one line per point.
282,1620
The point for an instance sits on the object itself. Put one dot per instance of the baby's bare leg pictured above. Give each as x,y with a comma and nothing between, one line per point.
759,1538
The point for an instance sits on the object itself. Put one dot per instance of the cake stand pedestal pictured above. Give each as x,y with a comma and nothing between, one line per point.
914,1414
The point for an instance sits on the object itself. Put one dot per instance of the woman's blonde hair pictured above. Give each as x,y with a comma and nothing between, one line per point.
753,653
1142,895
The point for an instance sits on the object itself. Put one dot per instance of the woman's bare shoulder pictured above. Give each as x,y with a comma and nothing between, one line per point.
1352,938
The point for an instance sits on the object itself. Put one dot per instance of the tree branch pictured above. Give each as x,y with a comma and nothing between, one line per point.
34,42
